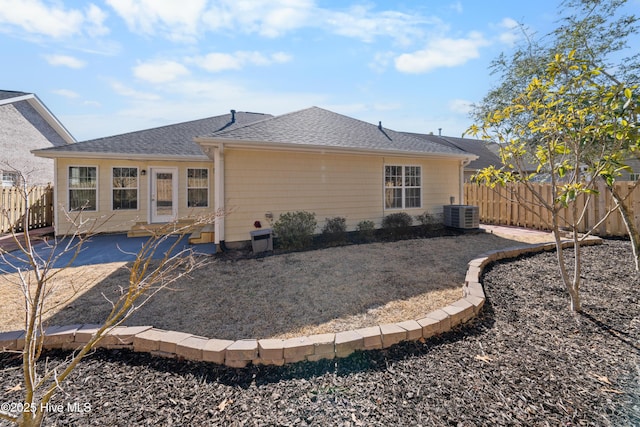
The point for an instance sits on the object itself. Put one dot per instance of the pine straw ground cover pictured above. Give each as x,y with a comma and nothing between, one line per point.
524,361
237,296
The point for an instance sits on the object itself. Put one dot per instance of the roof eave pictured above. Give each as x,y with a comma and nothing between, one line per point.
56,154
281,146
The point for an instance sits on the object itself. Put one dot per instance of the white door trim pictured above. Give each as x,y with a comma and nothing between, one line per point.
171,215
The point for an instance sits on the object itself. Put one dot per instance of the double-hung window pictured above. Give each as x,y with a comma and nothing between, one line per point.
197,188
124,184
83,188
402,187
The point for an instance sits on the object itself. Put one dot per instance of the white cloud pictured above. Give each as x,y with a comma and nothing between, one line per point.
66,93
65,61
217,61
381,61
460,106
178,20
269,18
159,71
56,21
442,52
186,20
361,23
513,33
128,92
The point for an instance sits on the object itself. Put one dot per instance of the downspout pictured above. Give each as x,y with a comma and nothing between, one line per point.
463,163
218,164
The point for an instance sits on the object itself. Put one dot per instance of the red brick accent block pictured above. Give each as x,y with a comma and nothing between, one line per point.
413,328
214,350
372,337
9,340
148,340
297,349
191,348
392,334
347,342
170,340
324,347
271,349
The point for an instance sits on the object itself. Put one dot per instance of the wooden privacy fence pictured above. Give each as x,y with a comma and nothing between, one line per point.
12,208
501,206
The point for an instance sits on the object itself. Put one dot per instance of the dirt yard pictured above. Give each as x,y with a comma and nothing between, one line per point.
285,295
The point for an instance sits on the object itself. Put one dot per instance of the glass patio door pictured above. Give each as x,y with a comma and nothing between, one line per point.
164,203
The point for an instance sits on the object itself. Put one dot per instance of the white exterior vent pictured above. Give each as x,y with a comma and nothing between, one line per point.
461,216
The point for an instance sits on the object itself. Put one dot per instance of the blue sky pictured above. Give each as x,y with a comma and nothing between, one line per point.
113,66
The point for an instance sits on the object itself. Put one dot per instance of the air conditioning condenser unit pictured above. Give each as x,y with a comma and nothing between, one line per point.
461,216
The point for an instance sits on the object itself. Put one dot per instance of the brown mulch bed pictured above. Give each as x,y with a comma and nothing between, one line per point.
526,360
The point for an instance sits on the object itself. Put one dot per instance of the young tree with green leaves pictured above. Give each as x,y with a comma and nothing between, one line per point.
572,128
599,32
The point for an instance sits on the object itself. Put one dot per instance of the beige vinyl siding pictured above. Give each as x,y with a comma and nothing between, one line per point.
328,184
123,220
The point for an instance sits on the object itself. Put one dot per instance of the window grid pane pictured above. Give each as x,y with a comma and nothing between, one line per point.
125,188
403,187
197,188
82,188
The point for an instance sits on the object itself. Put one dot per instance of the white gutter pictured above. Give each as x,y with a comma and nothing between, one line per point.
57,154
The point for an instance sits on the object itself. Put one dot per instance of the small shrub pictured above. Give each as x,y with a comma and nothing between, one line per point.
335,230
294,230
426,219
366,230
397,220
396,225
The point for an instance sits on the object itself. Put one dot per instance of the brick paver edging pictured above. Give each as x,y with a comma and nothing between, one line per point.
241,353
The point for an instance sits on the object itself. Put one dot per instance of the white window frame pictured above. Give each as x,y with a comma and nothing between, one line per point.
137,188
403,187
199,188
634,176
9,178
95,189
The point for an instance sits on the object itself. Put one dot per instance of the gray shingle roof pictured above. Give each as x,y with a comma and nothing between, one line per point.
486,157
319,127
8,94
167,141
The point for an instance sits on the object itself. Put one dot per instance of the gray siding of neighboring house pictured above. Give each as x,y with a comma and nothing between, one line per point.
634,164
23,129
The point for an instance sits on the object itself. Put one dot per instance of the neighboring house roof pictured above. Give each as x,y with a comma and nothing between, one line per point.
486,157
319,128
14,97
26,124
174,141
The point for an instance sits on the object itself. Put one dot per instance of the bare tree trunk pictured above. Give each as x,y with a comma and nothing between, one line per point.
629,222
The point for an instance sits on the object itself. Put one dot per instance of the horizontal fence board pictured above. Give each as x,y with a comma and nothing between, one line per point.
517,205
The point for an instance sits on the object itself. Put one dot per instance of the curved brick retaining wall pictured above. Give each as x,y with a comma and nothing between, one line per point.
241,353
